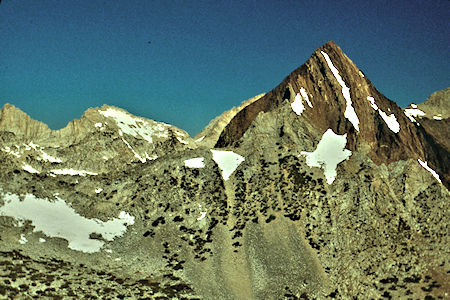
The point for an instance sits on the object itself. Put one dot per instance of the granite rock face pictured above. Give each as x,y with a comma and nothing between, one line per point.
437,105
319,189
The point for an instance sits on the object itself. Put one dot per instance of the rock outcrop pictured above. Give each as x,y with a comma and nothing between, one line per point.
210,134
437,106
320,189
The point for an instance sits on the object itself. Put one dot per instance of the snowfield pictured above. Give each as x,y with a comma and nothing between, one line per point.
227,161
197,162
58,219
328,154
136,126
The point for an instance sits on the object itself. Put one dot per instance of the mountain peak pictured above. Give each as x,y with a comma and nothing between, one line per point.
330,92
437,105
14,120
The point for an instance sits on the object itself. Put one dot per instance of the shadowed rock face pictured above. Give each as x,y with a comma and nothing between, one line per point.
283,225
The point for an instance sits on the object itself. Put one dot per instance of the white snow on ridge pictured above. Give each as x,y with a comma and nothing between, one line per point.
372,102
438,117
197,162
72,172
426,167
328,154
58,219
136,126
350,113
228,161
413,112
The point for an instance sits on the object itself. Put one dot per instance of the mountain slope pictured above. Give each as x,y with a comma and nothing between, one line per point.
313,191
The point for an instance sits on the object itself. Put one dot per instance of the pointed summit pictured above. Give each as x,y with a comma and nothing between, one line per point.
330,92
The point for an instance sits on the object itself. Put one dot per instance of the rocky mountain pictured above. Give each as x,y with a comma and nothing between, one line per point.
319,189
437,105
209,135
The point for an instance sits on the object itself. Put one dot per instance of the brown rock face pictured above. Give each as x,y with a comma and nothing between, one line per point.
325,92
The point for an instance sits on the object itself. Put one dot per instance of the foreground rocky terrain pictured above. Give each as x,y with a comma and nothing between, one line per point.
319,189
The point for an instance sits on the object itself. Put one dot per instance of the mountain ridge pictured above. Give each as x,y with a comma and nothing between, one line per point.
306,202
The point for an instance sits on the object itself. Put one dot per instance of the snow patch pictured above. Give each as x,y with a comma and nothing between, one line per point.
41,240
413,105
438,117
30,169
391,121
98,125
411,113
372,102
197,162
58,219
143,160
350,113
227,161
98,191
50,158
12,152
153,157
426,167
180,137
72,172
328,154
200,139
305,96
361,74
23,239
297,105
202,215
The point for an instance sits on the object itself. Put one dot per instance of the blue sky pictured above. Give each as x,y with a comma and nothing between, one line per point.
57,58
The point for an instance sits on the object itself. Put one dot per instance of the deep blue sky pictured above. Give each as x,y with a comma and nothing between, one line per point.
57,58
